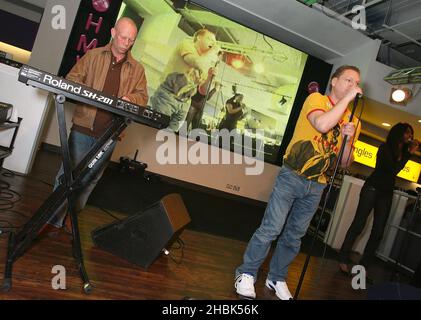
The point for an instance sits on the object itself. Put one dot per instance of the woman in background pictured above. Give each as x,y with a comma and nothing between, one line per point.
377,193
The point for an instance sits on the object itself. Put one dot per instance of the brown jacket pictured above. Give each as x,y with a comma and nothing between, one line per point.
91,70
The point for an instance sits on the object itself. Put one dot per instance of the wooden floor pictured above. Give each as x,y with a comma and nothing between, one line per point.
205,272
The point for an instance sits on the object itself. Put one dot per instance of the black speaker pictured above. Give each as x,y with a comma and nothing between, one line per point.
140,238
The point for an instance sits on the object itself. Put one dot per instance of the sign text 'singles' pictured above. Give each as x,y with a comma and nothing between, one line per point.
367,154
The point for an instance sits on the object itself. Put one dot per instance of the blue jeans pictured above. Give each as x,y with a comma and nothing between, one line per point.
291,194
79,145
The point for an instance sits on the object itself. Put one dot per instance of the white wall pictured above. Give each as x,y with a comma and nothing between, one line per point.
47,55
51,43
362,57
30,104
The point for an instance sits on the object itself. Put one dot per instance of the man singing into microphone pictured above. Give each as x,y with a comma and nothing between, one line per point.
190,69
314,148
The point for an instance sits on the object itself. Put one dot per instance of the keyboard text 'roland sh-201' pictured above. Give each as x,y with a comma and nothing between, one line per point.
81,93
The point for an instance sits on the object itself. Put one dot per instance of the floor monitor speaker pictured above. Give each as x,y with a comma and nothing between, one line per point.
140,238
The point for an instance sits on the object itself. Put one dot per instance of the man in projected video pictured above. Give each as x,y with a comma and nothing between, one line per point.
190,69
234,111
314,147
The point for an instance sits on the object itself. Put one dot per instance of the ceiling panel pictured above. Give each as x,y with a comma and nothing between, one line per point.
402,15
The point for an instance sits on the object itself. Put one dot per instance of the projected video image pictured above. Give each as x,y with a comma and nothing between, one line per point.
207,72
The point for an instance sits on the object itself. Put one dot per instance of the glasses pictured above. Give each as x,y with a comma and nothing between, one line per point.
130,41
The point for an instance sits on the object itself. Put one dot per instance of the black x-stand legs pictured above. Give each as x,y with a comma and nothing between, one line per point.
72,181
68,182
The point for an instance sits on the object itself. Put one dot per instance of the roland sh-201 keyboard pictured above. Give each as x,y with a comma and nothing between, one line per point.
81,93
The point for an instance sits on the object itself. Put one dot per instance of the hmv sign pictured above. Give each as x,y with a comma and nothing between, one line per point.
92,29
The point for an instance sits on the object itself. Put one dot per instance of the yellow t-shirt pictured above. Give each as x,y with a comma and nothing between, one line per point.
179,65
176,62
311,153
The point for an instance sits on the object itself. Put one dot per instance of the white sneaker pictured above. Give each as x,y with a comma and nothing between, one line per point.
244,286
280,288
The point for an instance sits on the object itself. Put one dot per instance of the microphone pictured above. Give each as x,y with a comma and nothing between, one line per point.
413,142
357,97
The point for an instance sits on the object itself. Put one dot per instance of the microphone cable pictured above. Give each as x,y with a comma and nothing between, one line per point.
8,199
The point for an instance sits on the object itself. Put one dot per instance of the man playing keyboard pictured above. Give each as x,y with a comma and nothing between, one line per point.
112,70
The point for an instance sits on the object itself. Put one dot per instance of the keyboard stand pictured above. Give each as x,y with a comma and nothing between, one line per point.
71,182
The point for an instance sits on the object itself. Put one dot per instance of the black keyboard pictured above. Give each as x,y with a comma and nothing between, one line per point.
81,93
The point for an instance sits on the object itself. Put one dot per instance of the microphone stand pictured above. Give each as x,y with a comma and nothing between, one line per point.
332,179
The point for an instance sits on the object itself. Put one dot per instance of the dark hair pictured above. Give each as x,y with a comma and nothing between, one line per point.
338,72
396,137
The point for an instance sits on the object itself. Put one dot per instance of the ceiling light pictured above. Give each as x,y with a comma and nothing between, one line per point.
237,63
386,124
400,95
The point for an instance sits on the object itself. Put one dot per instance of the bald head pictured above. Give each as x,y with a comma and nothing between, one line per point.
124,35
125,23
